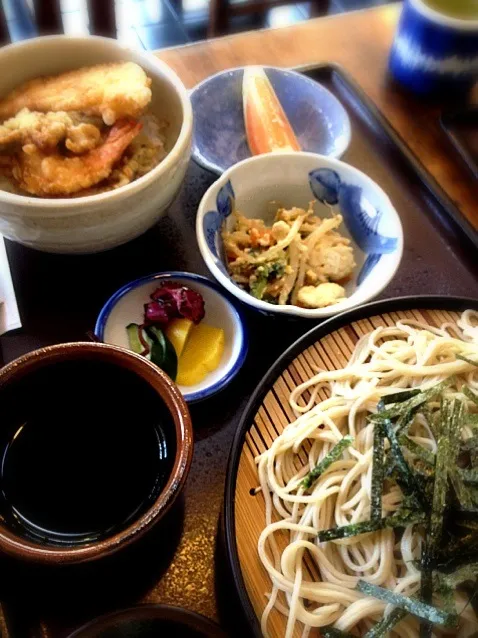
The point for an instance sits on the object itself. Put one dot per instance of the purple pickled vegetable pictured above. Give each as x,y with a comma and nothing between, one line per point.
171,300
156,312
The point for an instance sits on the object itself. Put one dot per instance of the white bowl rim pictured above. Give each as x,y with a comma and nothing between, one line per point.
288,309
199,158
171,158
234,365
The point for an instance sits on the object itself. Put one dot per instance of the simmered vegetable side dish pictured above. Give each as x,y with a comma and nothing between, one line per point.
173,336
301,259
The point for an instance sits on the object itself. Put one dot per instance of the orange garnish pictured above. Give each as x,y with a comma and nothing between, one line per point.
267,127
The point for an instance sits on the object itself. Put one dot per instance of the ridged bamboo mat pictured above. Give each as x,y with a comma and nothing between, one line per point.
329,353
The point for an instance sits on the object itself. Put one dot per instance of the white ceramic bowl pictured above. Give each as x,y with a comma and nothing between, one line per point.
294,179
127,306
97,222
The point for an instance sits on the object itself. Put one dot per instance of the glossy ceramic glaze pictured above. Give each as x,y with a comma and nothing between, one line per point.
433,52
127,306
97,222
22,548
294,179
319,121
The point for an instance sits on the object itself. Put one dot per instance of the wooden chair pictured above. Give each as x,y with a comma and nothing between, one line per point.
102,18
221,10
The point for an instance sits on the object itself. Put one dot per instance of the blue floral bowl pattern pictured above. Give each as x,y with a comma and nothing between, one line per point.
362,221
289,179
219,140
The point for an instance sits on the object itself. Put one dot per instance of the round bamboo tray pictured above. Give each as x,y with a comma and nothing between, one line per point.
328,346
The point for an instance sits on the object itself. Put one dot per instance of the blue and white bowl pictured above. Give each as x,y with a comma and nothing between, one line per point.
294,179
127,306
319,120
433,52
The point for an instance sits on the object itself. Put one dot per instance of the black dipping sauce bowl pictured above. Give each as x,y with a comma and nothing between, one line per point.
150,621
95,445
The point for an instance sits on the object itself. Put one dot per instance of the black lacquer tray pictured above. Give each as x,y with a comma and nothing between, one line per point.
182,562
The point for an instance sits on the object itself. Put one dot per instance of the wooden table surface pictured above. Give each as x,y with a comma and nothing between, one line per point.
359,41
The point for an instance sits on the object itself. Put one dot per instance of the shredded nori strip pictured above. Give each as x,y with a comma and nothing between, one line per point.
426,594
400,519
334,454
406,419
471,446
440,486
457,478
468,476
398,397
332,632
461,575
388,622
468,392
398,409
377,472
446,593
406,480
415,607
467,359
425,455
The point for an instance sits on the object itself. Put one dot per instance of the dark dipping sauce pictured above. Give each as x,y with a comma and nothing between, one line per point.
85,448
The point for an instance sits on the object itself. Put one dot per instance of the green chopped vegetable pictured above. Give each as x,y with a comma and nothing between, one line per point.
335,453
415,607
263,274
377,472
133,338
382,628
163,353
400,519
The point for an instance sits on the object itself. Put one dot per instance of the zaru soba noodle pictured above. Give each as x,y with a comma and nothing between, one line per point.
371,494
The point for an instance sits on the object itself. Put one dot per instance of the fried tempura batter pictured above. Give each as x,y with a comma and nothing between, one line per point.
112,91
46,130
47,174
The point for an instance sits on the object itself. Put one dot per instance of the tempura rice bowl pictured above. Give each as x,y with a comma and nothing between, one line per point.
101,221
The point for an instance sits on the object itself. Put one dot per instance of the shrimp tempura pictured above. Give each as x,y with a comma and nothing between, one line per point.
112,91
54,174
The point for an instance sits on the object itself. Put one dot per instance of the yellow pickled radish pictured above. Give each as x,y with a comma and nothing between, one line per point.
202,354
177,331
